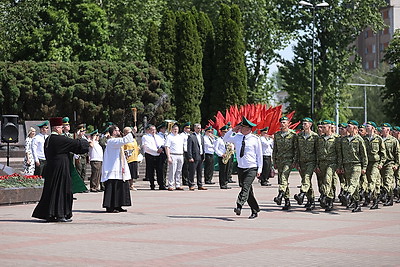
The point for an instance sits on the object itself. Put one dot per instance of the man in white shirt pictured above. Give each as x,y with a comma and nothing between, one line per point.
185,168
96,160
250,163
152,145
38,147
220,148
209,140
267,144
174,151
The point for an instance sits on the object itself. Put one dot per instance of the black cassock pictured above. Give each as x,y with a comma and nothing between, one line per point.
56,200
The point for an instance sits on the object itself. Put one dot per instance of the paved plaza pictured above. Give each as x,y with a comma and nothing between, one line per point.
199,228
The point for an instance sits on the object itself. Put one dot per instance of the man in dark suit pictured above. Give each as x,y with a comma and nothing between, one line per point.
195,154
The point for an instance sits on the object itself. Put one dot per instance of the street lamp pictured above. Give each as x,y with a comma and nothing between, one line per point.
313,7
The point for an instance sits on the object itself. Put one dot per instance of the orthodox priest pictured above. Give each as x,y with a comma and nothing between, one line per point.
115,171
55,205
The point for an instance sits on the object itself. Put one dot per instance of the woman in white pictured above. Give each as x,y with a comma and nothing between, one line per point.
115,172
29,163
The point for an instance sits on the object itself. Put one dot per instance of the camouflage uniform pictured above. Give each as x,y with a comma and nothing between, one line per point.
376,157
392,160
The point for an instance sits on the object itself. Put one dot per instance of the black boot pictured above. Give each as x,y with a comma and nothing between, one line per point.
347,199
389,201
357,207
300,197
383,197
368,196
375,204
287,204
237,210
342,198
329,204
278,198
322,201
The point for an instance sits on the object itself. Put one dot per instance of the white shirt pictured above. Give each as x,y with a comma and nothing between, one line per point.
114,166
95,152
151,143
253,156
208,145
38,147
267,145
185,135
175,143
219,147
198,136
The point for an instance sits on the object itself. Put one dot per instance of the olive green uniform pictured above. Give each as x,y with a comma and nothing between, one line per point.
283,157
392,160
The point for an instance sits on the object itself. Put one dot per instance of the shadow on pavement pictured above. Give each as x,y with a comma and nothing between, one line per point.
201,217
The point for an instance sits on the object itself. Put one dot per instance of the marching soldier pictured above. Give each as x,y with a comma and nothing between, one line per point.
342,133
306,161
376,157
353,162
283,156
391,164
396,134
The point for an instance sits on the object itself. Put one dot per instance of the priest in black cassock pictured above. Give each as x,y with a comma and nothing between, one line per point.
55,205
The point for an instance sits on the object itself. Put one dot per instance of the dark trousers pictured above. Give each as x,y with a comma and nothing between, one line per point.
133,169
229,168
266,170
95,174
185,169
222,173
195,167
208,167
39,169
153,164
246,178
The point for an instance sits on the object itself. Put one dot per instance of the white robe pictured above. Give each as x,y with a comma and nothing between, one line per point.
112,167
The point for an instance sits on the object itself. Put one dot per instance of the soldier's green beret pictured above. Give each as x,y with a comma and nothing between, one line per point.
109,123
343,125
65,120
371,123
319,123
362,126
45,123
386,124
284,118
396,128
379,129
187,124
209,128
228,124
94,132
264,129
325,122
224,128
353,122
307,119
246,122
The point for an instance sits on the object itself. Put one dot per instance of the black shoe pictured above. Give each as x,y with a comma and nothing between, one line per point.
357,207
225,187
299,198
111,210
310,206
231,181
278,198
163,188
375,204
121,209
389,202
287,204
238,211
94,190
210,183
253,215
63,219
145,179
322,201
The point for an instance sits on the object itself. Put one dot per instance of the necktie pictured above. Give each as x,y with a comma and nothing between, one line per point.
242,148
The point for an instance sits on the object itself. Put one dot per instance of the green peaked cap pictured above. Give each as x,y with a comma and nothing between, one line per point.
246,122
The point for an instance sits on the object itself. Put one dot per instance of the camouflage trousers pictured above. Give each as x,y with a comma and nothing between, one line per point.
284,169
388,178
328,170
373,179
306,173
352,174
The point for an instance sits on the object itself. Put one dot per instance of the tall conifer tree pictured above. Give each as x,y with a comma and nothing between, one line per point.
152,47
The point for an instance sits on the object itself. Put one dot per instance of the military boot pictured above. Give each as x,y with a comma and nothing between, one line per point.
357,207
329,204
367,198
287,204
322,201
278,198
300,197
389,201
375,204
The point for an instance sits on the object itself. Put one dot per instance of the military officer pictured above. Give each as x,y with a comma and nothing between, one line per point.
209,140
283,156
221,149
267,145
376,157
81,160
391,164
66,127
305,161
353,162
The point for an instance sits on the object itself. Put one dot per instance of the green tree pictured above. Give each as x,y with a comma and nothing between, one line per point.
188,82
336,27
152,47
230,84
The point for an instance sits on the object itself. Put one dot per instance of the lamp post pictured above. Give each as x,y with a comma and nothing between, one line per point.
313,7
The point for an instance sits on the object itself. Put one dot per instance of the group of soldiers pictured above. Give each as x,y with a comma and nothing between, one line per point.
363,159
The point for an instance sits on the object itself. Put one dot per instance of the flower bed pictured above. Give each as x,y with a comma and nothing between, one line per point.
18,188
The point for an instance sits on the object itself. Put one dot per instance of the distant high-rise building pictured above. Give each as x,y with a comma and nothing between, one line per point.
370,45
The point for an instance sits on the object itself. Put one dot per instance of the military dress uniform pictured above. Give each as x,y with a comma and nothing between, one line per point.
81,160
220,148
283,156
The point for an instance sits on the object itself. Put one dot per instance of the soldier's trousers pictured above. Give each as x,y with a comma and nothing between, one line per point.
373,178
80,165
364,185
246,178
306,173
352,174
284,169
388,178
328,178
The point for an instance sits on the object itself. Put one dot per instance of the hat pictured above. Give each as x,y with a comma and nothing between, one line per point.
228,124
371,123
209,128
386,124
396,128
224,128
163,124
342,125
284,118
353,122
246,122
45,123
56,121
379,129
264,129
81,127
307,119
362,126
94,132
325,122
65,120
187,124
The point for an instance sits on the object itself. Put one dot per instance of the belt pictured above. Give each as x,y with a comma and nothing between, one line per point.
265,156
178,154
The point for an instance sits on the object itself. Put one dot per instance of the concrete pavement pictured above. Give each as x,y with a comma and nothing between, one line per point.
199,228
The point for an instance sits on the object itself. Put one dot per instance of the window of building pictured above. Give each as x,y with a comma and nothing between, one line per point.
373,49
374,63
366,50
